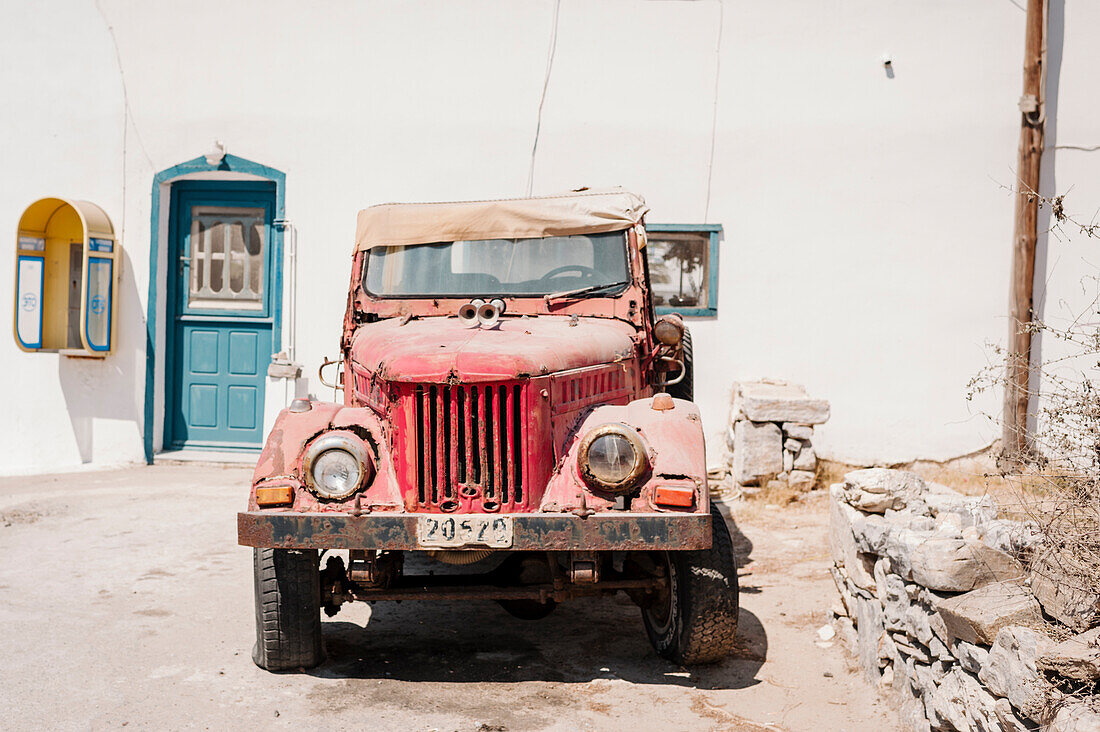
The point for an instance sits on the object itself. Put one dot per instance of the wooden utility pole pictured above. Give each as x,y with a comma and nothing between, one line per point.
1032,116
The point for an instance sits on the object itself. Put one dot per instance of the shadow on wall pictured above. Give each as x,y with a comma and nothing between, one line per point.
105,388
1048,186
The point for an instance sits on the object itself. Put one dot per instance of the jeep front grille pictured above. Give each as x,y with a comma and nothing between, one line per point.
463,446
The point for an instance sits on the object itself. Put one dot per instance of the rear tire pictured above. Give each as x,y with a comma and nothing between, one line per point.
695,620
288,609
685,388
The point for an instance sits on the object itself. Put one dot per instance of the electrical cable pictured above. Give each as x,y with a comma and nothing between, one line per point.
542,99
714,112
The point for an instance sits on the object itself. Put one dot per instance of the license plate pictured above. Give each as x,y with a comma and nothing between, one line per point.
459,531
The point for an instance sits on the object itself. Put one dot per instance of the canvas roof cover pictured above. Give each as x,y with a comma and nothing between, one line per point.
579,212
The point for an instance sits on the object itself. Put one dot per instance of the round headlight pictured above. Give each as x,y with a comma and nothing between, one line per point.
336,465
336,473
612,458
669,330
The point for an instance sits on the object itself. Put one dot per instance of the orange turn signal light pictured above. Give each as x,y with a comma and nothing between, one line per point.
674,495
274,496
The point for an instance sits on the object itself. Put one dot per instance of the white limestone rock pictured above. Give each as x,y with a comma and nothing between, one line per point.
1066,587
970,656
869,629
964,702
802,480
876,490
763,401
788,461
1076,658
871,532
842,544
805,459
803,432
955,565
978,616
757,451
1011,672
1011,537
1010,721
1082,716
970,510
911,716
899,548
917,625
890,590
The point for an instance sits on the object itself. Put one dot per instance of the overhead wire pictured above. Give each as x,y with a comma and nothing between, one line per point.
542,99
714,110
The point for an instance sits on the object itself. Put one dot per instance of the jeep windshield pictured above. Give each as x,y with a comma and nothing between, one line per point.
594,263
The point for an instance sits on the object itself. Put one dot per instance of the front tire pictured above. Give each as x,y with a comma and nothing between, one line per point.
288,609
695,620
685,388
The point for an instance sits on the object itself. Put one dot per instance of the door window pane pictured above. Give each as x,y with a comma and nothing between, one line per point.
227,248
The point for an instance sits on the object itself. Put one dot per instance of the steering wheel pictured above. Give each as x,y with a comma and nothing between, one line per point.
585,272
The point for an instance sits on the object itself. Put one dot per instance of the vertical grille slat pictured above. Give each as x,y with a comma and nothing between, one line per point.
468,446
465,442
451,405
429,428
442,474
518,433
498,478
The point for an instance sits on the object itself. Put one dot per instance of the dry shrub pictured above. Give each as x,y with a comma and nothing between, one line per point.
1055,481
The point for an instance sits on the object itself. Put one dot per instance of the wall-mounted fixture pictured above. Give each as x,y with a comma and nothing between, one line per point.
214,157
66,278
888,64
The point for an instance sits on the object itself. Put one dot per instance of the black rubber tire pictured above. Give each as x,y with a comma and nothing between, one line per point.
701,625
685,388
288,609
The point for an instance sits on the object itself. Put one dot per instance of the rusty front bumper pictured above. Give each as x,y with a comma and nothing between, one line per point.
533,531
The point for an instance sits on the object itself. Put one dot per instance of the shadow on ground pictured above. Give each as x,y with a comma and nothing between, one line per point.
477,641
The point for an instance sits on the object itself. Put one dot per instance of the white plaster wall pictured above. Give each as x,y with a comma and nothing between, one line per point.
866,245
1067,295
61,134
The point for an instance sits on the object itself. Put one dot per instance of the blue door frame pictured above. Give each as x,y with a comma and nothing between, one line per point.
156,327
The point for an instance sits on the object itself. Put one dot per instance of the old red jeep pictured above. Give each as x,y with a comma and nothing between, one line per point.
516,426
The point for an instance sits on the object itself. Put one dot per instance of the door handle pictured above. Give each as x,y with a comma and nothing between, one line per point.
184,259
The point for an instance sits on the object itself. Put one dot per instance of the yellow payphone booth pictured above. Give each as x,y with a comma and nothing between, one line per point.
66,278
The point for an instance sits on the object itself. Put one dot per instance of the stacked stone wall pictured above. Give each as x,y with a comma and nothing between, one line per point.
771,434
939,608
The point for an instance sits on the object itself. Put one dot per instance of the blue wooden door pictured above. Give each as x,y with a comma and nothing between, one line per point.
223,313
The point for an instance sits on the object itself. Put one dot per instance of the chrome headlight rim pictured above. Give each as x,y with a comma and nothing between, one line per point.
637,471
348,443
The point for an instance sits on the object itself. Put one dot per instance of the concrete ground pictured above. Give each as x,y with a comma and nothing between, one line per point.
125,601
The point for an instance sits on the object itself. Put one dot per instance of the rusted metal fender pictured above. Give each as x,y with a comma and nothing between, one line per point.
675,449
281,459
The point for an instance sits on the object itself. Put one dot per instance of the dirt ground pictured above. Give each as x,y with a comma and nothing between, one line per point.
125,601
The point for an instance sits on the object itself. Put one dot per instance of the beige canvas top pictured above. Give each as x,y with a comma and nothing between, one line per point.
581,212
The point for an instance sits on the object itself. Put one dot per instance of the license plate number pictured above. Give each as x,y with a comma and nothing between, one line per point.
459,531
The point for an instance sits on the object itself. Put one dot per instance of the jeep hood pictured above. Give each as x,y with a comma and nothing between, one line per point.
435,348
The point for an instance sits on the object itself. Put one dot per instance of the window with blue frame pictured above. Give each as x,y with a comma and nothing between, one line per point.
683,268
